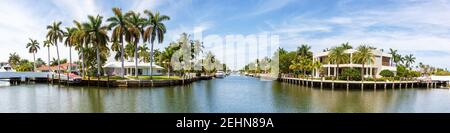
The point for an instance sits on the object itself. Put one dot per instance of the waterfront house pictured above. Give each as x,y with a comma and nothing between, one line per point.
63,67
113,68
383,61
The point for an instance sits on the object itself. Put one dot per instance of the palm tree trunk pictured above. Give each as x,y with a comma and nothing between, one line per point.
70,59
135,59
122,69
151,61
362,72
98,61
337,71
59,69
49,59
168,71
82,63
34,63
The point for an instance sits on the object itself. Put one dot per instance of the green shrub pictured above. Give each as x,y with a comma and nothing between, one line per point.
413,74
387,73
351,73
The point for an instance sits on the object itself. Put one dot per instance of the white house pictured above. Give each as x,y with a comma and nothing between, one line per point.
113,68
383,61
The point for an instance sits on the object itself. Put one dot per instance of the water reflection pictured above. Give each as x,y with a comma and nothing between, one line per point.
230,94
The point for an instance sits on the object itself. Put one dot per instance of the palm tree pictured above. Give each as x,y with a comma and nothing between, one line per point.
318,66
156,30
55,34
166,56
120,25
304,50
79,40
134,36
97,34
48,44
409,60
14,59
363,55
70,41
338,56
143,53
346,45
33,47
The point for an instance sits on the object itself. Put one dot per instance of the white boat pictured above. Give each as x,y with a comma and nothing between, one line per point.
220,74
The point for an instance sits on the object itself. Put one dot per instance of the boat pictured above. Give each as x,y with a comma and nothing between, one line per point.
220,74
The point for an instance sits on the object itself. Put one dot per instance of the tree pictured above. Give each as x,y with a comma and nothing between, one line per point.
155,31
48,44
396,58
351,73
166,56
338,56
120,26
304,50
143,53
97,36
409,60
70,41
363,55
40,62
14,59
80,42
54,35
33,47
346,45
134,36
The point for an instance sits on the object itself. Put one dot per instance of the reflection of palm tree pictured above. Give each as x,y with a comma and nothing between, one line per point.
33,47
363,55
55,34
338,56
155,31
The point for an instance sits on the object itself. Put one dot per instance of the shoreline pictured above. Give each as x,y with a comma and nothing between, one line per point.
135,83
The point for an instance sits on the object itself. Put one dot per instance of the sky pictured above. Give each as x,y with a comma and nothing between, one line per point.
418,27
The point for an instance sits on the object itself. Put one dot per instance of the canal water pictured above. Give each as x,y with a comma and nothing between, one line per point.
230,94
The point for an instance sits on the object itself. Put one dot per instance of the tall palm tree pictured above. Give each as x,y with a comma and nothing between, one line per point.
55,34
136,22
409,60
33,47
48,44
70,41
318,66
363,55
120,25
338,56
155,31
79,40
14,59
97,34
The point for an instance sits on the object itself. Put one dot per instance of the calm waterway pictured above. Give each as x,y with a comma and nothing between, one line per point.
230,94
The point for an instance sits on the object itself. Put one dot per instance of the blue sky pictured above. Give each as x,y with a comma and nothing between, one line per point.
419,27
